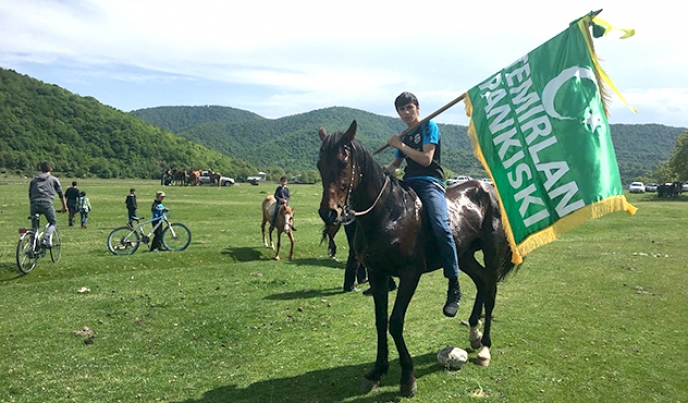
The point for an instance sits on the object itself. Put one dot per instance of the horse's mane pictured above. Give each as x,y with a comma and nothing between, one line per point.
368,164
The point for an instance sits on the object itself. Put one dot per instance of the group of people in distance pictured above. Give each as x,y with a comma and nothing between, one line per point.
42,190
420,149
44,186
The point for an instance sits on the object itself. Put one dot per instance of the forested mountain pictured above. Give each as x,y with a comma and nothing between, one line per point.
291,142
179,118
82,137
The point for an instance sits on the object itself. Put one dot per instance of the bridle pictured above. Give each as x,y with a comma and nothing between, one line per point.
349,214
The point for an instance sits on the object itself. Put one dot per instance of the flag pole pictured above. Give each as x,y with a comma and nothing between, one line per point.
430,116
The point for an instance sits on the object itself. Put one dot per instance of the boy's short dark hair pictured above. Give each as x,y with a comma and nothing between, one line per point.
74,183
282,179
45,166
405,98
132,190
82,194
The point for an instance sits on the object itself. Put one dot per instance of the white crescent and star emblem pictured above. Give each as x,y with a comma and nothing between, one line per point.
591,116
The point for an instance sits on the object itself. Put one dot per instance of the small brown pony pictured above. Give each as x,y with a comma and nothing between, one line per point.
284,223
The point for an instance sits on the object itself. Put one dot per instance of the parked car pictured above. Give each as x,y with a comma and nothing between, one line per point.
651,187
204,179
684,187
486,180
636,187
458,179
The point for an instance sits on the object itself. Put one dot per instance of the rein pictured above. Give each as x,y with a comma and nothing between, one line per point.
349,213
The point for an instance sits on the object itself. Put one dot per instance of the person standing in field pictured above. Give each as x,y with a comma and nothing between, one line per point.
131,204
158,210
42,191
72,196
84,207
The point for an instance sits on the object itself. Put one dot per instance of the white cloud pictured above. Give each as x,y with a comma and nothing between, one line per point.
309,54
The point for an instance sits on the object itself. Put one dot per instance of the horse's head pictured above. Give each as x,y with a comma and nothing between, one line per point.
337,172
288,213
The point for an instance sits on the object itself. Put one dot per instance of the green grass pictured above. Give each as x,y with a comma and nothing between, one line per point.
599,315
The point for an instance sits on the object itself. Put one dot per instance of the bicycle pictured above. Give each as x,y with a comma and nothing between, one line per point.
126,240
30,248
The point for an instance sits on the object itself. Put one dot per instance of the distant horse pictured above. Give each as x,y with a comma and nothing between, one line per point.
179,177
354,271
393,239
328,232
195,177
284,223
669,189
215,177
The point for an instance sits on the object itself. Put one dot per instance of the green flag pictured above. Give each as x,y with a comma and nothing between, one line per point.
539,127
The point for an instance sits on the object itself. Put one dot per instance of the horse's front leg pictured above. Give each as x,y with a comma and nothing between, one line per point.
407,287
272,245
381,297
291,249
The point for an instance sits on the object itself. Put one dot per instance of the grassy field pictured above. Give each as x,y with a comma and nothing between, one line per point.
599,315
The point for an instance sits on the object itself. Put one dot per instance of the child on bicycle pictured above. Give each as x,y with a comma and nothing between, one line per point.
42,191
157,209
84,207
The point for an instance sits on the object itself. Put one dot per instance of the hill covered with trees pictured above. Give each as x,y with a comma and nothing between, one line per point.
82,137
290,141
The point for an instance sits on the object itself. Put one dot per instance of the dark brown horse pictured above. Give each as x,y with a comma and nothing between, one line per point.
393,239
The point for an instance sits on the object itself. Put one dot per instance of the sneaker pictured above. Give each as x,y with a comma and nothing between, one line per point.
451,307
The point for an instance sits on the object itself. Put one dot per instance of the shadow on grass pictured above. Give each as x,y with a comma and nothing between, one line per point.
244,254
307,293
327,385
322,262
9,272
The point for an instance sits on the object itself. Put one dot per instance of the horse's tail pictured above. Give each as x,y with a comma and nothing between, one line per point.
325,234
507,266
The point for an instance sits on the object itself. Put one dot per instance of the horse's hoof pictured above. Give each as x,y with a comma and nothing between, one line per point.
276,257
475,343
408,389
484,357
367,385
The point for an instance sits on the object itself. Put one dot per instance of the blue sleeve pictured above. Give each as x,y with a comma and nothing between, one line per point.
431,133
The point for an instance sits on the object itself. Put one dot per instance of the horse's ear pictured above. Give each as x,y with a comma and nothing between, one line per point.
351,132
322,133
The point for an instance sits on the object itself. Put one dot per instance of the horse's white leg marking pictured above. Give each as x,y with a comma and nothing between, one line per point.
474,335
484,356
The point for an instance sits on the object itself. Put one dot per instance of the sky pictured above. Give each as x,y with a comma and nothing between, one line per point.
278,58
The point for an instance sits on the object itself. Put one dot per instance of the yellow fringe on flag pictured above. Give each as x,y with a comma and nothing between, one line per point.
516,256
564,224
571,221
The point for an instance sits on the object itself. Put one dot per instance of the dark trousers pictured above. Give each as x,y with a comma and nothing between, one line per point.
157,239
72,212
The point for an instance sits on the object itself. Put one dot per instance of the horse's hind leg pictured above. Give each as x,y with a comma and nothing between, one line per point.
262,230
483,341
